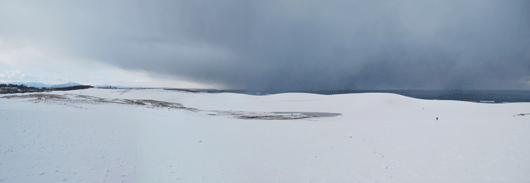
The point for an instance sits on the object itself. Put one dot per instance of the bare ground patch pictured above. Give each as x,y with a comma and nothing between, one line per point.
37,96
272,115
525,114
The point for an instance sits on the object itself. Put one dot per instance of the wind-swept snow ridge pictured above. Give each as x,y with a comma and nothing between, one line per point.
72,99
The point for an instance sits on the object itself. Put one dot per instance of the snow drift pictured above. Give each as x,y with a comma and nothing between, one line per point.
103,135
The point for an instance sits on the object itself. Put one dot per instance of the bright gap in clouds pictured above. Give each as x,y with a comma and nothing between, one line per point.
20,62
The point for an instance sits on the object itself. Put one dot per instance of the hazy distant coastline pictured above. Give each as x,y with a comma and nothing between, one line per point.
484,96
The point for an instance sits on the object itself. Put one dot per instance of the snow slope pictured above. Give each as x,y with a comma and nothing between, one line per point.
378,138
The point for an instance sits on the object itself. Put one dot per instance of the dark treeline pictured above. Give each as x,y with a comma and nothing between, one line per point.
12,88
78,87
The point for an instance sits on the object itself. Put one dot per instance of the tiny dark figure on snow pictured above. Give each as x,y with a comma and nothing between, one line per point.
436,118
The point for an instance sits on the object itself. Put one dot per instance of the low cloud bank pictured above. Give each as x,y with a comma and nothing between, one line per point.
294,45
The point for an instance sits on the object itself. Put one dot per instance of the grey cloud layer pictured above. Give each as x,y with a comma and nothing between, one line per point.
291,45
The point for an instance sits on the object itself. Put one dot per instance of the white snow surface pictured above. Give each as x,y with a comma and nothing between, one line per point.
378,138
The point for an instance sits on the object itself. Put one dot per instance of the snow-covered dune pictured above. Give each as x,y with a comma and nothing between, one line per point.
103,135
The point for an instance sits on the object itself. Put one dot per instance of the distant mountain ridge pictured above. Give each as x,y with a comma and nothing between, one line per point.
42,85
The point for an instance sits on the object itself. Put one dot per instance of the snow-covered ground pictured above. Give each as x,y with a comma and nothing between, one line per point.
103,135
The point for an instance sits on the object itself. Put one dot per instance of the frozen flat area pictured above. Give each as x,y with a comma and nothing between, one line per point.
378,138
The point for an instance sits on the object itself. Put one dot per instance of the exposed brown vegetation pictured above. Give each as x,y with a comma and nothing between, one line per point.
37,96
525,114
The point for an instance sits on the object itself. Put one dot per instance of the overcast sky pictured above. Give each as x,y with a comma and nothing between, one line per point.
269,45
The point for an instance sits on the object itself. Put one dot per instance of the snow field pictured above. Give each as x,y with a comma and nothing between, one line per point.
378,138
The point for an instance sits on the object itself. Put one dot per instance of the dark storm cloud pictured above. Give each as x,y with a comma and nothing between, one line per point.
292,45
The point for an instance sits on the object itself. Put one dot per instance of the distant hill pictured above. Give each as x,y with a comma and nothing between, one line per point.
70,84
30,84
41,85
